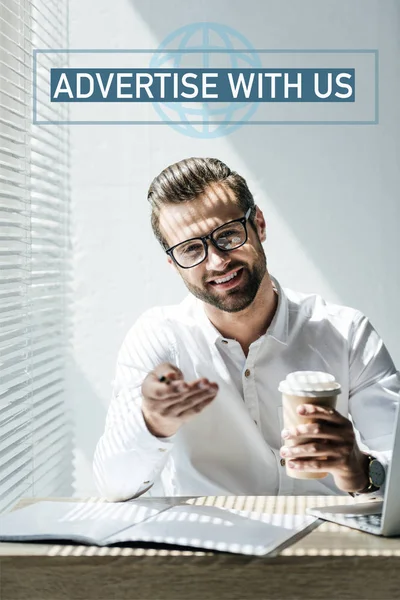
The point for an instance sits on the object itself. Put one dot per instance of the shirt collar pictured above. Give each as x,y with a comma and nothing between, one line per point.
278,329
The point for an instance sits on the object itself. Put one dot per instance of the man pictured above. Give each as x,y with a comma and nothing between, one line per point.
196,405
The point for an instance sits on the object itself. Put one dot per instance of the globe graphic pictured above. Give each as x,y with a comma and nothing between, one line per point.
205,45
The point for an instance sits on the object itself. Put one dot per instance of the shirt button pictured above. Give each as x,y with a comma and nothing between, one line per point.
283,462
162,449
247,373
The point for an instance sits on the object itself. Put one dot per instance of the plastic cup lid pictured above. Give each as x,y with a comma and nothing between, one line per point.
309,381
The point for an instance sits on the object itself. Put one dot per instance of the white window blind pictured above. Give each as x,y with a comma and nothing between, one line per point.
35,426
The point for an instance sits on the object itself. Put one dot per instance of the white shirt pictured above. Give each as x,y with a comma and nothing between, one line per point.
232,446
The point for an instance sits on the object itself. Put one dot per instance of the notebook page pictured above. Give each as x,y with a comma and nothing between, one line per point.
212,528
84,522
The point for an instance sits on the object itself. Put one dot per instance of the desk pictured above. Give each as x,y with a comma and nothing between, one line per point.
331,562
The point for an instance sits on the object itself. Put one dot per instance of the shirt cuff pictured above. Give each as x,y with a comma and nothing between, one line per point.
146,455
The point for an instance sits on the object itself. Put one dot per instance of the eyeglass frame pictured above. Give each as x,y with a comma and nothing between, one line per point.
203,238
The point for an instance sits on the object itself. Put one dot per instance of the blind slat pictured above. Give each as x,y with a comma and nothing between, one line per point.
21,437
20,398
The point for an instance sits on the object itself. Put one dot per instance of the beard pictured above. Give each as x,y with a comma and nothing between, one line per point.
238,298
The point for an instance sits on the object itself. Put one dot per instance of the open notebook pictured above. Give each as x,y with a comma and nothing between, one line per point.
184,525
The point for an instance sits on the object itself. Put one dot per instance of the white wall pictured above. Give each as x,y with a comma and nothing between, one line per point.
329,193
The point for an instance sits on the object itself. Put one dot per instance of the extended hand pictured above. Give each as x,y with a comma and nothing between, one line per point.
169,403
330,447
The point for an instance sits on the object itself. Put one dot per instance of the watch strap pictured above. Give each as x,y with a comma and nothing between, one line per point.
370,487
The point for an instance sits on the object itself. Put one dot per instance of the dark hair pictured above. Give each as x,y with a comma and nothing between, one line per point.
189,178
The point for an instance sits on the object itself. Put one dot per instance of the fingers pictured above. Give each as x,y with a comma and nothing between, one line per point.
178,405
323,413
192,405
178,391
164,396
315,450
169,391
317,430
319,454
197,408
315,465
158,383
195,404
166,372
326,423
326,443
168,400
198,387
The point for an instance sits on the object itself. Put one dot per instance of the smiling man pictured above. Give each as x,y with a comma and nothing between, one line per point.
196,408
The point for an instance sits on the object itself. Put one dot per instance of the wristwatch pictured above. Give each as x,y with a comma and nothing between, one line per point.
376,476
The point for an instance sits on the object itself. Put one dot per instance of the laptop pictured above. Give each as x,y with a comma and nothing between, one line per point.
381,517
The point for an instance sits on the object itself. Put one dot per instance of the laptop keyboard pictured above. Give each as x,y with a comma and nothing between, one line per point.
370,523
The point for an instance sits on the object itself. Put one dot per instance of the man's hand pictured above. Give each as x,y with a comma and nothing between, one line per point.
169,403
330,447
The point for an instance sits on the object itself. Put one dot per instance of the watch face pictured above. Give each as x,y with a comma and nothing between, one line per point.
376,473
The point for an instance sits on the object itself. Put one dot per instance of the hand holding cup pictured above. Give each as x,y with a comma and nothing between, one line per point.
318,439
306,397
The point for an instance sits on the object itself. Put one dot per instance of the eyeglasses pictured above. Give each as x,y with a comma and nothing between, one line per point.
229,236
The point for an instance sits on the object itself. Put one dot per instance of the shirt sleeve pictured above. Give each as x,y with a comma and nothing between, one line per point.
128,458
374,392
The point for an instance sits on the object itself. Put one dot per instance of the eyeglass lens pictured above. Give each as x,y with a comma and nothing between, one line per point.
227,237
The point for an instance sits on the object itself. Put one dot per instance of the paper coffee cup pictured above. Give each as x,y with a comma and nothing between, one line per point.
306,387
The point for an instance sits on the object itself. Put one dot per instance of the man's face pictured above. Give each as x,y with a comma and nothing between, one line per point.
179,222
